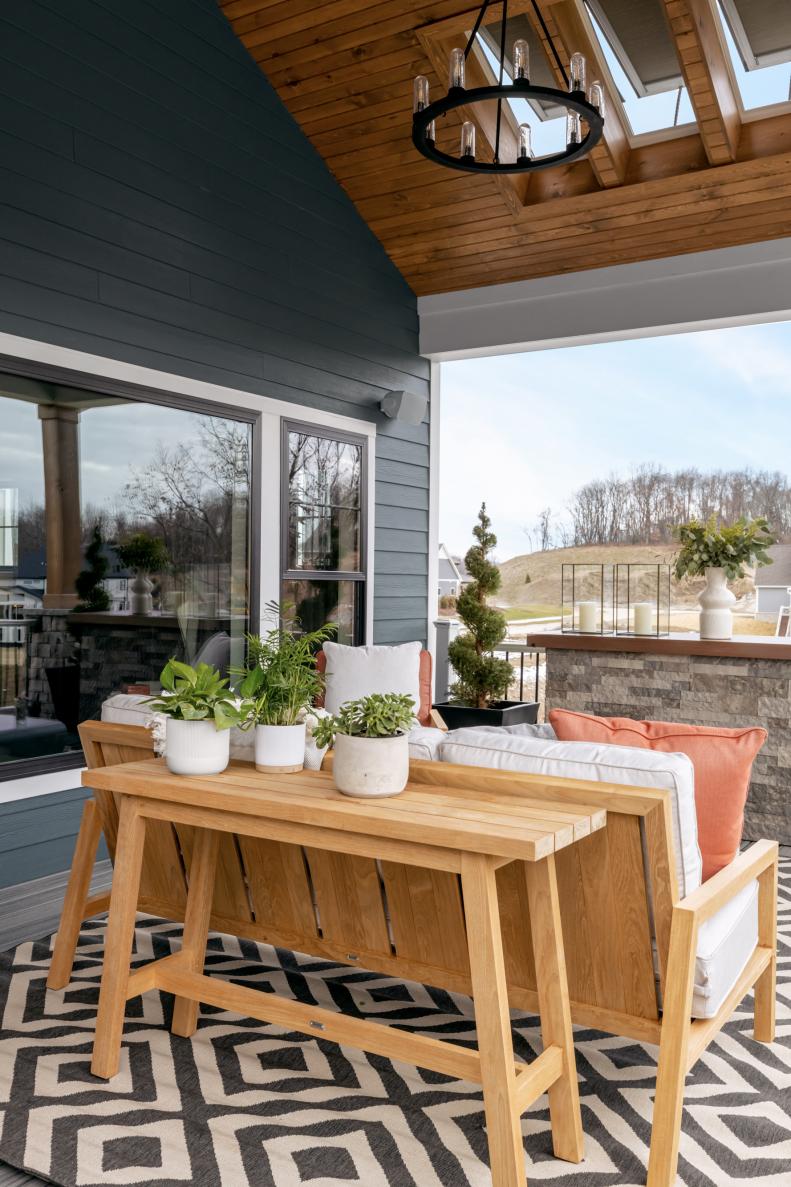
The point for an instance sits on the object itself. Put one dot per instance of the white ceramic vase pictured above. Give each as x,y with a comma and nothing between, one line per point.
716,607
140,600
370,766
280,749
196,747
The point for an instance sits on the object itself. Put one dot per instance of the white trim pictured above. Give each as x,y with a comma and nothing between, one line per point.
25,789
370,548
733,286
271,412
433,506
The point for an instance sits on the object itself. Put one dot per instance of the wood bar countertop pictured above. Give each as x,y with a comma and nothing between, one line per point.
739,647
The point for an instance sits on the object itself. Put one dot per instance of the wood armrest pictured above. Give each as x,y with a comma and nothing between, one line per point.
745,868
438,720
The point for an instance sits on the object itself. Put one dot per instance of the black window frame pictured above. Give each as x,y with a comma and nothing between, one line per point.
26,768
358,576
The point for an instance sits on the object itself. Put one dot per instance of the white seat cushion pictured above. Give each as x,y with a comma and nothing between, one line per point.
126,709
354,672
425,742
623,765
725,944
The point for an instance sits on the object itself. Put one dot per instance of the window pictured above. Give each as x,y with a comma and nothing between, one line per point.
81,472
323,529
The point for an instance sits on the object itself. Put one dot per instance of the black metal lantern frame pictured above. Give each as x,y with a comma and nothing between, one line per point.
587,591
639,586
574,100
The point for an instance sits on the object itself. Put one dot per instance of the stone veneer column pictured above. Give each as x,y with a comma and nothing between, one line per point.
60,437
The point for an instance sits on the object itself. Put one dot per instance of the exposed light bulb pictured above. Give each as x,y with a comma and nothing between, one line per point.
431,131
573,130
456,68
468,139
420,93
577,72
521,55
525,142
596,97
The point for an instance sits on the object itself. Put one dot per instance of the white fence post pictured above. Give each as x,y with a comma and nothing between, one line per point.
446,630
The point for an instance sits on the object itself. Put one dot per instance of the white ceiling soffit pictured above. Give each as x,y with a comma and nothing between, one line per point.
702,290
638,33
761,30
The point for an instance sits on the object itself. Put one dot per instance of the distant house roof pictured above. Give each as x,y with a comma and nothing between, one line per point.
452,568
779,572
463,571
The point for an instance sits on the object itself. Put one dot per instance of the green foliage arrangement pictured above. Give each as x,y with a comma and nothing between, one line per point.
196,694
483,677
280,678
380,715
91,592
143,553
707,545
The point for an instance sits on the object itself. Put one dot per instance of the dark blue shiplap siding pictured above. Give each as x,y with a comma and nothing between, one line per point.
159,205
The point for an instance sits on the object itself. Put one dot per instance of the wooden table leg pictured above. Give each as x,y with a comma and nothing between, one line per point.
118,944
196,924
553,1004
76,898
493,1021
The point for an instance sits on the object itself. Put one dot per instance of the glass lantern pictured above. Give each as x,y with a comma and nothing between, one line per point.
588,597
642,600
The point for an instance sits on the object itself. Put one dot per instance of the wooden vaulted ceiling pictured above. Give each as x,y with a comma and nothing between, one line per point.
344,68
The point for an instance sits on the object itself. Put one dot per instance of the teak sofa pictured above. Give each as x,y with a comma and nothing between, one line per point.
619,901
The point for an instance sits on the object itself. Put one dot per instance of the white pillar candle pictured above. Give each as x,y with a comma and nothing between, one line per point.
588,617
643,618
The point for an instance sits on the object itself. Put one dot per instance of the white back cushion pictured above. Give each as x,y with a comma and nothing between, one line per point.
354,672
624,765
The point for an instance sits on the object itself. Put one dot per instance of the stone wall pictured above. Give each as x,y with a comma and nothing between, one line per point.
697,690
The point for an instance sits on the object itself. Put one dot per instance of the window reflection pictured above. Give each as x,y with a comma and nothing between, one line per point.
124,540
324,503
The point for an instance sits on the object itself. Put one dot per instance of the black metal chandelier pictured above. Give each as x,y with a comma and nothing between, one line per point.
580,107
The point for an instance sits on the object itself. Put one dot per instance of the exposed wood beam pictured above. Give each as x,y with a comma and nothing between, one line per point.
512,188
570,32
704,63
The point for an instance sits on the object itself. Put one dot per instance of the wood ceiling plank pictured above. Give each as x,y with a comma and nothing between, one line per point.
344,68
703,58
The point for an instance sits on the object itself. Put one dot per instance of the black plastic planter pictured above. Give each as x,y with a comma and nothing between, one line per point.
457,717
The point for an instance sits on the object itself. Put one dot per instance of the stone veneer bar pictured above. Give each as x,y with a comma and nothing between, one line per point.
740,682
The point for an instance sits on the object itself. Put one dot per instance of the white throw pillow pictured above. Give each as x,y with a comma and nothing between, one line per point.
354,672
624,765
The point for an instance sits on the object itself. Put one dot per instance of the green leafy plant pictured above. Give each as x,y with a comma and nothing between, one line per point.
280,678
91,592
708,545
143,553
483,677
380,715
196,694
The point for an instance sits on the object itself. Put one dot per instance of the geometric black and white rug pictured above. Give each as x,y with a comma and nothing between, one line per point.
243,1103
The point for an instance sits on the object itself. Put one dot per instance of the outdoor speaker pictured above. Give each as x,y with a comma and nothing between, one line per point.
404,406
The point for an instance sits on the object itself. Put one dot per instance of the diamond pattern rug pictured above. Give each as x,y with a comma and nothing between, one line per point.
248,1105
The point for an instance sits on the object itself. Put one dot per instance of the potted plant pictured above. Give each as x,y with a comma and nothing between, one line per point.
720,554
370,736
479,695
279,684
143,554
200,711
89,587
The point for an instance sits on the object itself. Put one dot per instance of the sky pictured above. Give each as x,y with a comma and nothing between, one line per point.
524,431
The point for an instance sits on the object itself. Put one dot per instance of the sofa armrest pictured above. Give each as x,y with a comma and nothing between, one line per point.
745,868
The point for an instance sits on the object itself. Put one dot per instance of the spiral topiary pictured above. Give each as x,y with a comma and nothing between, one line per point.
483,678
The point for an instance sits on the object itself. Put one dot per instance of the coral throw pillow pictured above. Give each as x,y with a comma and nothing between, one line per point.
722,759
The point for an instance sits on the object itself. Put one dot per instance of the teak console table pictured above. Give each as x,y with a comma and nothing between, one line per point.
451,829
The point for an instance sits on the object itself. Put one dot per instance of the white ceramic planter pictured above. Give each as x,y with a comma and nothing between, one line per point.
196,747
280,748
716,602
140,600
370,766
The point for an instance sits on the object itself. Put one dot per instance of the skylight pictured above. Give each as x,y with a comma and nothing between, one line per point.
762,85
548,136
645,113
